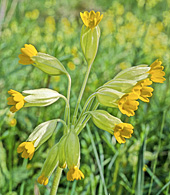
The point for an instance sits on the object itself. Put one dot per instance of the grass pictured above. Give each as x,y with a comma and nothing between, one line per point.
132,33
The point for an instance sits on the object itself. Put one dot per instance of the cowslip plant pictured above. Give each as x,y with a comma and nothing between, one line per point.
122,92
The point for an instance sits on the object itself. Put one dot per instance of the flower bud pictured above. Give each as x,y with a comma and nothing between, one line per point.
42,133
72,155
104,120
135,73
40,97
89,41
48,64
108,96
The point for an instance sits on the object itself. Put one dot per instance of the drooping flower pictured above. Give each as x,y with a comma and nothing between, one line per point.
43,180
157,72
122,131
103,120
91,19
27,149
128,104
113,125
72,156
16,99
42,133
142,89
27,52
74,173
49,166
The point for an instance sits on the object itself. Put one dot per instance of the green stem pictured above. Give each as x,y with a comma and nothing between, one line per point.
81,94
67,107
79,123
85,106
63,122
56,181
67,113
81,126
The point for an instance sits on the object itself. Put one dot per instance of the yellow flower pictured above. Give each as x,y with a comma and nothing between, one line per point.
74,173
122,131
91,19
13,122
27,52
43,180
145,168
157,72
71,65
142,89
128,104
27,149
17,100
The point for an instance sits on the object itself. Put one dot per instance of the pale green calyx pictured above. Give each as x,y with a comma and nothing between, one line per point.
89,41
51,161
72,150
61,152
48,64
42,133
124,86
108,96
104,120
40,97
135,73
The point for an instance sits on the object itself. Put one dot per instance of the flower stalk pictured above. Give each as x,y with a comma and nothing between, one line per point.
81,94
67,107
56,181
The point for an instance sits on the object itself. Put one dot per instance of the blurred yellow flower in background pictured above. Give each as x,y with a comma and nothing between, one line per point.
13,122
71,65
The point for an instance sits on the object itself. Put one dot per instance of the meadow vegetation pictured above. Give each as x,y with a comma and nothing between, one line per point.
133,32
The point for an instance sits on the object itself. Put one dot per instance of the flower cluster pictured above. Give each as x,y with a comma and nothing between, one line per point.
122,92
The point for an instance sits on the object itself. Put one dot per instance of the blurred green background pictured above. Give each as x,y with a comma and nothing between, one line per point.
133,32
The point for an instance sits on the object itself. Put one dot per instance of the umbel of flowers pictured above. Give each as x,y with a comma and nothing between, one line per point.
122,92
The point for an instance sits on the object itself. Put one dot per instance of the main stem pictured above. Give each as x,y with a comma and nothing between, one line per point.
81,94
56,181
84,108
67,108
81,126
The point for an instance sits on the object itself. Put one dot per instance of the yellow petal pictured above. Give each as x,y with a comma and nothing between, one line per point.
11,101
